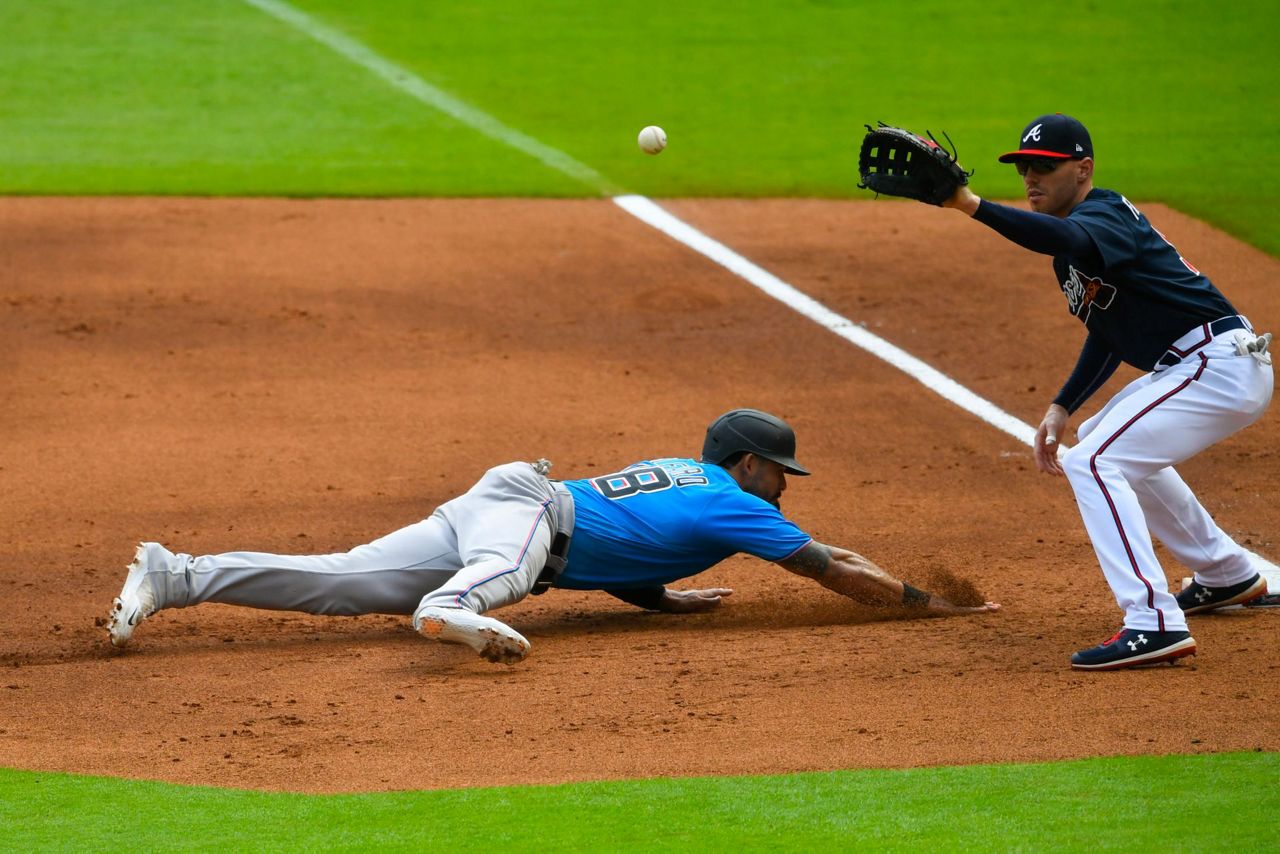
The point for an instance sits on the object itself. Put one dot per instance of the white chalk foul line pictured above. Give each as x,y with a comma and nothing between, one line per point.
417,88
651,214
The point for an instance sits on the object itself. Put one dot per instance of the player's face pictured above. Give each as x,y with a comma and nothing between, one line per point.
1054,186
764,479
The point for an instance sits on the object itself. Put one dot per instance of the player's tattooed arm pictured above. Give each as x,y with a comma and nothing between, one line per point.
812,561
844,572
852,575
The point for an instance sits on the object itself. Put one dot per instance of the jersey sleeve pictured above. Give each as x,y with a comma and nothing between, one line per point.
744,523
1094,367
1112,228
1038,232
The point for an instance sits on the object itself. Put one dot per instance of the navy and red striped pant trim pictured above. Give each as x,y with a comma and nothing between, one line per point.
1093,467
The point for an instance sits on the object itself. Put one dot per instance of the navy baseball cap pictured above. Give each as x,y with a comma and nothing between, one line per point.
1053,135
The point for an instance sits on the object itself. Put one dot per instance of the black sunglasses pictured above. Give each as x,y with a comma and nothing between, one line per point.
1038,165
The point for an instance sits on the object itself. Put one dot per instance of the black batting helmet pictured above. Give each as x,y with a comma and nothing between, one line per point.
757,432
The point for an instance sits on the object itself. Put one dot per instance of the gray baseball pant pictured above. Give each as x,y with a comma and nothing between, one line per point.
480,551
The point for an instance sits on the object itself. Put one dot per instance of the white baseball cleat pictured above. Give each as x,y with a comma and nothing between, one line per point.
137,600
493,640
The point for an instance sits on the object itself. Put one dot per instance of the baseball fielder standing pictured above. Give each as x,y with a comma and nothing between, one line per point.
517,532
1208,375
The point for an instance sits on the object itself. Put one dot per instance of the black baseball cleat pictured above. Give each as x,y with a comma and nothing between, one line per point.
1195,598
1135,648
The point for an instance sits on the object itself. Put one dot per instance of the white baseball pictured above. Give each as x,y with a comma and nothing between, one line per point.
652,139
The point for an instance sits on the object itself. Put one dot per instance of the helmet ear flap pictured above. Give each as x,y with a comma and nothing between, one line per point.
714,445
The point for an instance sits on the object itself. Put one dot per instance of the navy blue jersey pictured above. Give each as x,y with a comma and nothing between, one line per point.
662,520
1143,295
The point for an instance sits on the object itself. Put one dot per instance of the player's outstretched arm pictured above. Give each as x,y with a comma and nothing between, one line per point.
852,575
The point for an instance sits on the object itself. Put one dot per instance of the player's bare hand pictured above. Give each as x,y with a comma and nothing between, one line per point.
1048,436
940,607
693,601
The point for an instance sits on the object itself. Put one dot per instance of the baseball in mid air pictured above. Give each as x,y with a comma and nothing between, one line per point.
652,139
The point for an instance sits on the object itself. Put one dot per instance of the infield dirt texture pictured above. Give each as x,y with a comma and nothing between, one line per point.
186,356
301,376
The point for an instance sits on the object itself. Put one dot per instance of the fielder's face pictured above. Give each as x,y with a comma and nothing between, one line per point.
1054,187
763,479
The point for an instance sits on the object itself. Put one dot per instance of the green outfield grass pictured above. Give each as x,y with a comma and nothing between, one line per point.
765,98
759,99
1226,802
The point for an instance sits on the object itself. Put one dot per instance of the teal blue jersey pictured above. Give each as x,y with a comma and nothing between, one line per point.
662,520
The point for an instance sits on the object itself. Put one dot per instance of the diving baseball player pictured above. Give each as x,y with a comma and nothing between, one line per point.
629,533
1208,375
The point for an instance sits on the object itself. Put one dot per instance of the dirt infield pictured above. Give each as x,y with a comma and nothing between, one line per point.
301,376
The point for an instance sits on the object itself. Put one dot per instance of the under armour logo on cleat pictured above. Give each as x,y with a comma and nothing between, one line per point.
1203,595
1140,641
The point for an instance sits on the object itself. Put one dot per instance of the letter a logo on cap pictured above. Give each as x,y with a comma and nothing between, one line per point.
1033,134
